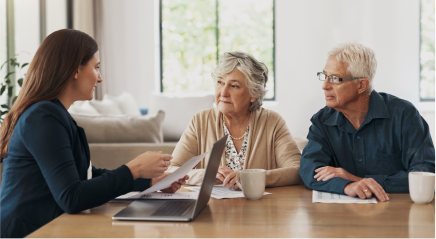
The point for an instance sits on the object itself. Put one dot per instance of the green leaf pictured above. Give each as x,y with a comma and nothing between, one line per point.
25,64
14,62
4,106
2,90
10,73
8,81
6,62
20,82
10,91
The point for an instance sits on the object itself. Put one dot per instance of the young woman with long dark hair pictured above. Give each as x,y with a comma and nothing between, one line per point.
45,154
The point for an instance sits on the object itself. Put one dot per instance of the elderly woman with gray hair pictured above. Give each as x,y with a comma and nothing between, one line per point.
257,138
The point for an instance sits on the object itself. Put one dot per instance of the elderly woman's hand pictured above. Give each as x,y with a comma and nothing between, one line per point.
174,186
230,181
223,172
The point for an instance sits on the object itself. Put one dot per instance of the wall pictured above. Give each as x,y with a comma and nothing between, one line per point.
129,36
305,31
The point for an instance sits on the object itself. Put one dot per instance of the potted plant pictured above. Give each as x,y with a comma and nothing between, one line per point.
8,86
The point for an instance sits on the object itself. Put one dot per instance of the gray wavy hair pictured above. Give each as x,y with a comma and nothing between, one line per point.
255,72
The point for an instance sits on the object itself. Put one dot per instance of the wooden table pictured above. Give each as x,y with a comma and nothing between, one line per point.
288,212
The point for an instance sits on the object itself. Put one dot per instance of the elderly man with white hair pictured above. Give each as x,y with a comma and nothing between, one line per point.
363,143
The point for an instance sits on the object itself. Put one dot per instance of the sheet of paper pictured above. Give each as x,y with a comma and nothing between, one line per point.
220,192
160,195
324,197
176,175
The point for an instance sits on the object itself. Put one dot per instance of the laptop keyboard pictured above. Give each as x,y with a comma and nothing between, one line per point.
173,208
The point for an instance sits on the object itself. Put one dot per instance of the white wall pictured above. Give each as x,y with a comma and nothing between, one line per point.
305,31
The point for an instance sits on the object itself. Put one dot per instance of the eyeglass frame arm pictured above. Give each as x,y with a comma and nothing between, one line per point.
340,79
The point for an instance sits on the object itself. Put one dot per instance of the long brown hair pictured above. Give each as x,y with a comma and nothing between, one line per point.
53,66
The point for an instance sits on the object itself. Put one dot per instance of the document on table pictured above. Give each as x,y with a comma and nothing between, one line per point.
175,176
324,197
159,195
220,192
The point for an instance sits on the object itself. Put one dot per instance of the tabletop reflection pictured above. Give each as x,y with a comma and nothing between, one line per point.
421,221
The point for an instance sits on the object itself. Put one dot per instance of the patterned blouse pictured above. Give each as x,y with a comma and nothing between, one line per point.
235,160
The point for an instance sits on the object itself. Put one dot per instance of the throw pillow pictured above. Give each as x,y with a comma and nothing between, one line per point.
125,102
179,111
82,107
122,128
106,107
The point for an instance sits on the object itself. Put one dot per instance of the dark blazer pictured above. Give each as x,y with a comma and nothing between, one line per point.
45,172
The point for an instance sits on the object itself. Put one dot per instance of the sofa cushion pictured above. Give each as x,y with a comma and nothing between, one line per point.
122,128
179,111
106,107
126,103
113,155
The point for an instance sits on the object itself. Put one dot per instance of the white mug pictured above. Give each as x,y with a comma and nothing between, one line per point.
252,183
421,186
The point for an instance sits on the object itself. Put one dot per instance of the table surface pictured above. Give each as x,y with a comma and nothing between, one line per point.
287,212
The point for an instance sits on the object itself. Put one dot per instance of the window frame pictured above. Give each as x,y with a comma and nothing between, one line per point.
217,46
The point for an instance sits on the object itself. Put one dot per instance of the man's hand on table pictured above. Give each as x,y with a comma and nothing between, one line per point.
174,186
328,172
365,188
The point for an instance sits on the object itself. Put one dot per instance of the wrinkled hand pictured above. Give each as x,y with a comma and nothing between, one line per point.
174,186
365,188
230,180
328,172
149,165
223,172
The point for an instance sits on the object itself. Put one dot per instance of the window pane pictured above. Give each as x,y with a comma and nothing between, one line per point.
247,25
188,45
427,49
3,46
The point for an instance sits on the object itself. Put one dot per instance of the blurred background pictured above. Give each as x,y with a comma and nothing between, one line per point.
171,46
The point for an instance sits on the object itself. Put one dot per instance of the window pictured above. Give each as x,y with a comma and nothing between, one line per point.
427,62
3,45
195,33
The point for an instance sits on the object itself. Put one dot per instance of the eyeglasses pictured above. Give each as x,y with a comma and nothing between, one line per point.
334,79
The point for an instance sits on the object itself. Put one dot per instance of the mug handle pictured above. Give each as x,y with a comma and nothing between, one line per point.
237,180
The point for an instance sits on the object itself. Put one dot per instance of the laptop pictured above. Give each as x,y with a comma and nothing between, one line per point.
183,210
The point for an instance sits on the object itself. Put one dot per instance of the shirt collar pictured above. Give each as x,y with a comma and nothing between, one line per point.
377,109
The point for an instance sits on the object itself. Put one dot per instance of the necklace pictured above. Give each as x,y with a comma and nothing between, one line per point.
240,138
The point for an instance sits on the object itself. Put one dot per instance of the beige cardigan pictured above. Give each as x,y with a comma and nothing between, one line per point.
270,146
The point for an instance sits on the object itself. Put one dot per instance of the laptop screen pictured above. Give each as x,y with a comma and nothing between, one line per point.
209,175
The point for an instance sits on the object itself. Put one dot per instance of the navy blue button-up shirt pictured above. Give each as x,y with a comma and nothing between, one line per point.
392,141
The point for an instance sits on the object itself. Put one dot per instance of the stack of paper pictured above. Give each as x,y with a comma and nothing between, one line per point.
159,195
220,192
324,197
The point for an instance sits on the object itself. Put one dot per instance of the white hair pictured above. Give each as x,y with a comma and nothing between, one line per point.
255,72
359,60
